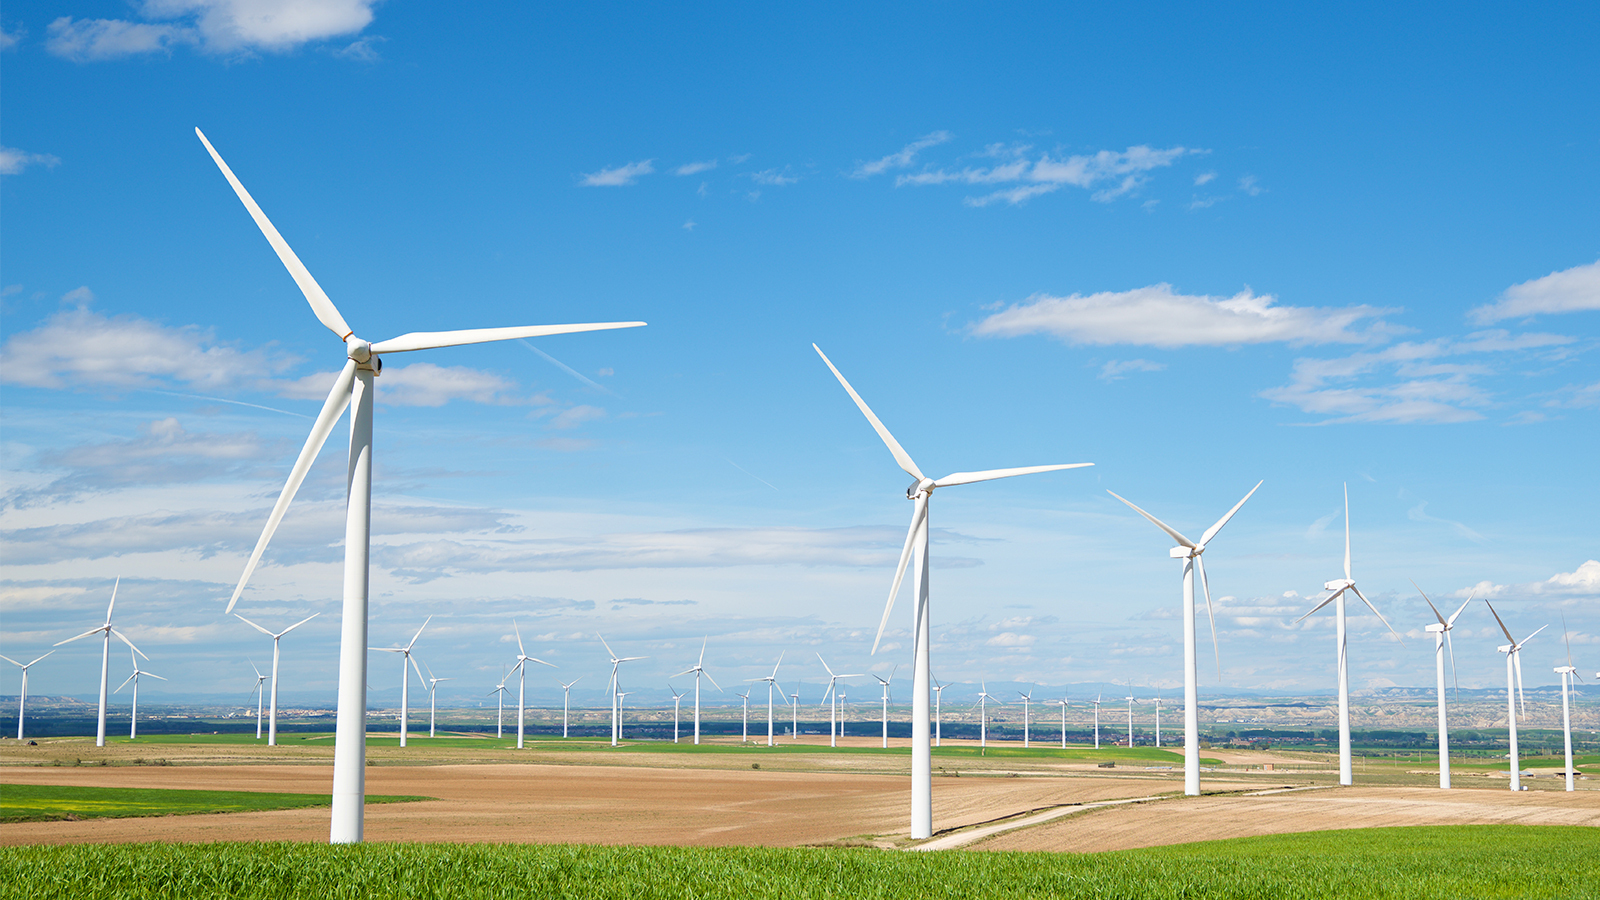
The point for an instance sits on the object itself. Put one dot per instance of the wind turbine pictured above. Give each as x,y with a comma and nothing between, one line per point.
272,720
1190,552
133,720
1441,640
260,692
1339,587
834,725
772,682
22,699
1513,652
353,387
1158,718
499,693
105,659
1063,704
1567,672
433,684
938,711
1131,702
698,669
746,698
916,547
1027,700
844,707
616,699
983,715
566,699
794,710
677,702
521,668
405,680
886,704
620,695
1097,700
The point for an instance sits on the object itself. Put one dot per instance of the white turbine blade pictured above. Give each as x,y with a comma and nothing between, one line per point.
326,312
125,681
259,676
819,659
298,624
113,604
781,652
79,637
712,680
419,632
124,638
684,672
428,340
332,409
520,649
992,474
1435,609
1182,541
900,454
1347,537
703,641
1503,628
530,659
1379,615
631,658
1519,644
253,625
1568,639
1331,597
919,513
15,663
1216,649
413,660
1212,531
153,675
1452,621
1516,659
603,643
1451,644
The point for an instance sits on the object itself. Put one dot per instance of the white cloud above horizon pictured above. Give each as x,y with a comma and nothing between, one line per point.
14,161
901,158
618,176
215,27
1110,173
1570,290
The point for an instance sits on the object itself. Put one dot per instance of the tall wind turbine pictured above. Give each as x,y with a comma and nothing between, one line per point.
916,548
1157,702
261,691
521,668
1567,673
983,715
677,703
405,679
133,720
616,697
885,684
746,698
1097,700
499,693
1190,552
353,387
1441,640
566,700
1339,587
1027,702
833,710
106,631
794,710
1513,652
1131,702
1063,704
938,711
433,688
772,683
699,668
272,720
22,699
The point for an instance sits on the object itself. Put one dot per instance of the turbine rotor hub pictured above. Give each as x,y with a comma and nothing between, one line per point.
357,349
920,486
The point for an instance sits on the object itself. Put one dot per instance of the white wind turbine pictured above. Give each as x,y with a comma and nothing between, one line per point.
698,669
616,697
1027,702
566,699
1131,702
272,720
1513,652
1441,640
1339,587
499,693
844,707
1567,673
133,720
938,711
677,703
22,698
746,698
405,678
433,687
521,668
621,695
834,725
106,631
772,683
886,704
260,693
1097,700
353,387
983,715
1157,702
794,710
1063,704
916,548
1191,554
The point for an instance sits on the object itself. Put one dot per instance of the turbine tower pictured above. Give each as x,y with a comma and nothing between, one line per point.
433,686
133,720
938,711
260,693
1441,640
1513,652
1567,673
1097,700
677,703
499,693
272,719
1190,552
794,710
616,697
983,715
1027,702
916,549
1063,704
1157,702
353,387
1131,702
772,682
405,678
834,725
566,700
22,699
886,704
521,668
106,631
746,698
698,669
1339,587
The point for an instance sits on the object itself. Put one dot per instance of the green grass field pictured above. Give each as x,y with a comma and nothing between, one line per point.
1491,861
46,802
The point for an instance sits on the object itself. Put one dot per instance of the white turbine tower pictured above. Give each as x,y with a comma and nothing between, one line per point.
353,387
794,711
133,720
521,668
22,699
1097,700
886,704
677,703
772,683
1158,718
1063,704
260,693
1513,652
983,714
620,695
106,631
1567,673
698,669
916,548
746,698
406,662
272,719
938,711
1131,702
1027,702
1339,587
433,687
834,725
1191,554
616,699
1441,640
499,693
566,700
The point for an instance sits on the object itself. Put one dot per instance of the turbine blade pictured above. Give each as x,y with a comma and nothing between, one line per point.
298,624
428,340
1448,642
15,663
780,662
703,641
326,312
522,651
1519,645
1347,536
332,409
413,660
1568,639
900,454
819,659
1503,628
713,681
992,474
1216,648
1379,615
153,675
1470,595
602,643
684,672
530,659
1435,609
1182,541
254,625
1521,700
125,682
124,638
1212,531
79,637
113,604
419,632
918,514
1331,597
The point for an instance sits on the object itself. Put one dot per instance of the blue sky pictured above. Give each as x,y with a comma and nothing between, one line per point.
1197,248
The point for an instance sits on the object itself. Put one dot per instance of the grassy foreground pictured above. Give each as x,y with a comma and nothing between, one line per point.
46,802
1487,861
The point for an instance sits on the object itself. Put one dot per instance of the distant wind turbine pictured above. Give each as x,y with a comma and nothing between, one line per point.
133,720
1027,702
885,684
698,669
916,548
1097,700
521,668
106,631
621,695
353,387
938,711
1063,704
1513,652
22,698
983,715
834,724
1157,702
261,692
272,720
1131,702
772,683
1567,673
794,710
677,702
746,698
615,687
405,675
1441,640
1191,554
499,693
433,688
566,699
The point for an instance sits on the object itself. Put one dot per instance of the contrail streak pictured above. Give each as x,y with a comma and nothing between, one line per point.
224,400
570,370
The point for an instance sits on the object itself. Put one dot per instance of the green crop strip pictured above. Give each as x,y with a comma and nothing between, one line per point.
46,802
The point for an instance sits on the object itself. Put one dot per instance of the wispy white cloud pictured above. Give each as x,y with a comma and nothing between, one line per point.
774,177
1111,174
1251,185
1156,316
1204,178
1582,583
1419,513
1117,369
1570,290
695,167
902,158
9,39
13,161
213,26
619,176
574,416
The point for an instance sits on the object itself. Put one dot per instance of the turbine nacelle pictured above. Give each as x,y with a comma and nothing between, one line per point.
1338,584
1436,628
923,486
357,349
